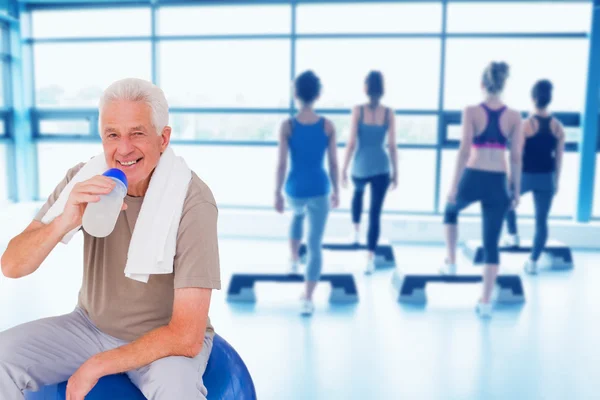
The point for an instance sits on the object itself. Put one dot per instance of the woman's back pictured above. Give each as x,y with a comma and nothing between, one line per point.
308,143
371,158
493,126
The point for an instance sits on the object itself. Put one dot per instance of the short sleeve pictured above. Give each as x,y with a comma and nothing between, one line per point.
196,261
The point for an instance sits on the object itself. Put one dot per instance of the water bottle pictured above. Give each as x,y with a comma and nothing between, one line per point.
99,219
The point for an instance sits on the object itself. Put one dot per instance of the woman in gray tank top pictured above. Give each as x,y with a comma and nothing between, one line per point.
371,125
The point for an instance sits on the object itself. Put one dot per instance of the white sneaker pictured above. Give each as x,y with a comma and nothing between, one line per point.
511,241
294,267
484,310
307,307
355,237
370,267
531,267
448,269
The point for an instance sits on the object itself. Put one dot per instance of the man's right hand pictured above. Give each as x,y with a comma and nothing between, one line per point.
83,193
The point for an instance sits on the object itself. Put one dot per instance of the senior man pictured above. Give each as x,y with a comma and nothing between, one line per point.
151,324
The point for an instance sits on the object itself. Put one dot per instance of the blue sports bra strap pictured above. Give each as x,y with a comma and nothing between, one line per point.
361,115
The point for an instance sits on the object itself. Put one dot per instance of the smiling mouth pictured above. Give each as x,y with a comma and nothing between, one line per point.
129,163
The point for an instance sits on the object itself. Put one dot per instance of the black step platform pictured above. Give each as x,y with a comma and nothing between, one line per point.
410,288
241,286
556,255
384,252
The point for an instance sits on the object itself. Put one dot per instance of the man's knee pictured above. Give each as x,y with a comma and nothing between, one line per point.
173,378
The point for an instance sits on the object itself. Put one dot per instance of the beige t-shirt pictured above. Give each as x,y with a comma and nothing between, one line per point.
125,308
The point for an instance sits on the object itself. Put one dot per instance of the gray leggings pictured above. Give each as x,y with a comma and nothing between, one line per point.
490,189
317,209
542,187
50,350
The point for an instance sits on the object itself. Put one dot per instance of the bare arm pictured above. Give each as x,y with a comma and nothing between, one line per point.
183,336
517,141
332,156
351,145
282,157
392,147
28,250
560,150
282,150
463,153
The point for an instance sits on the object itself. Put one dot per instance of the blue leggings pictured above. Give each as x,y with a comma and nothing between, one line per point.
317,209
542,187
490,189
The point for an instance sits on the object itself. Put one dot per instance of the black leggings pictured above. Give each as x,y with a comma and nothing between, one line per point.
542,187
379,186
489,188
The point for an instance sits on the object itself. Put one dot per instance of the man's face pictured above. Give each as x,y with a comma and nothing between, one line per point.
131,142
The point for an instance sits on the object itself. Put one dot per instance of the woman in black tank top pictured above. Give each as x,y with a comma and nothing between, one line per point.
542,160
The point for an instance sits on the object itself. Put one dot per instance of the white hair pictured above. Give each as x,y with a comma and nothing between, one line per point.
133,89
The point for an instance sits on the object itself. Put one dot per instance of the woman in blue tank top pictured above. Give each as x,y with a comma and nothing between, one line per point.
307,138
481,175
542,160
372,124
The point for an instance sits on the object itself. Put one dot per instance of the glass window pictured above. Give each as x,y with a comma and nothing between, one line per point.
201,126
243,73
3,77
563,61
596,210
237,175
64,127
225,20
494,17
55,159
369,18
3,172
91,67
91,23
411,69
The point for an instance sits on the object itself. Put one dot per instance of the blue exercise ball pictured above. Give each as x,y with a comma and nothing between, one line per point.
226,378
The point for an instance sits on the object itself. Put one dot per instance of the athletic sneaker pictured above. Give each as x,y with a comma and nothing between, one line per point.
370,267
511,241
531,267
306,307
355,237
448,269
484,310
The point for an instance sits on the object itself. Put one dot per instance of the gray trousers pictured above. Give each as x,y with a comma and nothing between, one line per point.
317,209
50,350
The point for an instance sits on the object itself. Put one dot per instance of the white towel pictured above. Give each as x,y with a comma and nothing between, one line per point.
96,166
154,240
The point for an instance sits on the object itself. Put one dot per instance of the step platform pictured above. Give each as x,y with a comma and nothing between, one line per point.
555,256
384,252
410,288
241,286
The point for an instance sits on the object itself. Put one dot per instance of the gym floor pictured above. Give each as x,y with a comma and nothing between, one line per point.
379,348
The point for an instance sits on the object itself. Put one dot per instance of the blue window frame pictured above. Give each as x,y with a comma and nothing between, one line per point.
418,45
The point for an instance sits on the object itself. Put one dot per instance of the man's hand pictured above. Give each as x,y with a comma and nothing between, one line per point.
82,381
83,193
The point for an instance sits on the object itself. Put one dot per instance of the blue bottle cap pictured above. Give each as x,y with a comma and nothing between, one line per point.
117,174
